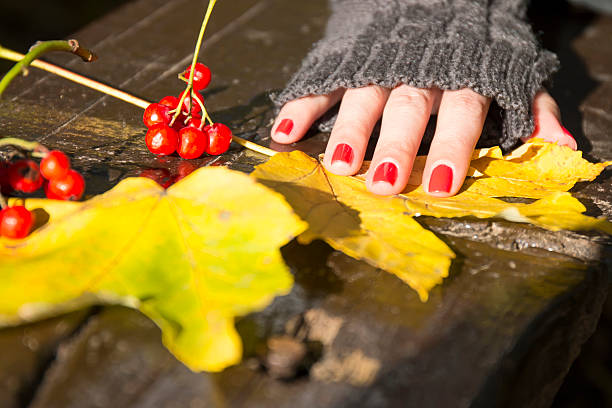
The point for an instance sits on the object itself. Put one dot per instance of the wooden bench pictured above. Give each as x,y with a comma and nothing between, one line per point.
502,331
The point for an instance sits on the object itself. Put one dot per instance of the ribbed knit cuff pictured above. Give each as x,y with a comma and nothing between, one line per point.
390,49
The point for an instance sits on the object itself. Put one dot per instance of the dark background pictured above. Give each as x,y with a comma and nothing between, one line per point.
589,383
22,23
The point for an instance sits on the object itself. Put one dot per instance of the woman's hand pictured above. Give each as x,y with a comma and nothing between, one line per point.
405,112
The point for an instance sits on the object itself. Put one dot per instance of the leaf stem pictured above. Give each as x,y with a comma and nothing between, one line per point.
253,146
40,48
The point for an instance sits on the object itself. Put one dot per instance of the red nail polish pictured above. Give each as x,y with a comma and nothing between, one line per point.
441,179
343,153
386,172
286,126
567,133
573,144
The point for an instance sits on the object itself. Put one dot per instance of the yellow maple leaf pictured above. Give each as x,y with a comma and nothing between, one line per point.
533,170
342,212
191,258
381,230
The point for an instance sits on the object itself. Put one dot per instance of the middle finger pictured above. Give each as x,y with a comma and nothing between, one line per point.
403,124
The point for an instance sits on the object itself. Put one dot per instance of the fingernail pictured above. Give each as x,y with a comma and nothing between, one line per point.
567,133
343,153
285,127
385,172
441,179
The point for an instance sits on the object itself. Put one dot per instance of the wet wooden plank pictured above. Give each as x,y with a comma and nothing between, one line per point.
26,352
501,331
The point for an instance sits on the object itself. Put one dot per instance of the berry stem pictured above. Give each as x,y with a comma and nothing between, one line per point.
3,203
36,148
206,115
40,48
124,96
74,77
196,53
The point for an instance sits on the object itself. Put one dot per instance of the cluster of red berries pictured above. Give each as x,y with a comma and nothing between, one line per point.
187,135
60,182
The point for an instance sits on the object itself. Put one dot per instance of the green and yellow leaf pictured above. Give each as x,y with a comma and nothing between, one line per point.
191,258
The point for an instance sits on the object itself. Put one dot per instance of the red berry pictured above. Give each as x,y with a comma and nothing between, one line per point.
195,121
195,106
179,123
169,101
156,113
24,175
160,176
70,187
182,121
172,102
201,76
192,142
161,139
15,222
54,165
220,137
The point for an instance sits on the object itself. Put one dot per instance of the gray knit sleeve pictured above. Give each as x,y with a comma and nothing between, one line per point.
485,45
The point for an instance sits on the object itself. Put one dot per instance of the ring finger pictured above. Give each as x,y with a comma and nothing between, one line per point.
460,120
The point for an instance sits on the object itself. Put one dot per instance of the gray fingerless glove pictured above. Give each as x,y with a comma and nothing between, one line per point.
485,45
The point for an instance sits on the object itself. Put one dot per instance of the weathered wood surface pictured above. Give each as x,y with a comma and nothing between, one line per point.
501,331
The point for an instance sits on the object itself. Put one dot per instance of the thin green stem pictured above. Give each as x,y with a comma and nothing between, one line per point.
196,53
204,112
141,103
38,49
23,144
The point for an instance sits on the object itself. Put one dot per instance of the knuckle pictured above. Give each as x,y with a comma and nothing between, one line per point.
547,103
458,144
350,129
468,100
410,98
401,149
307,108
379,94
295,105
554,109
